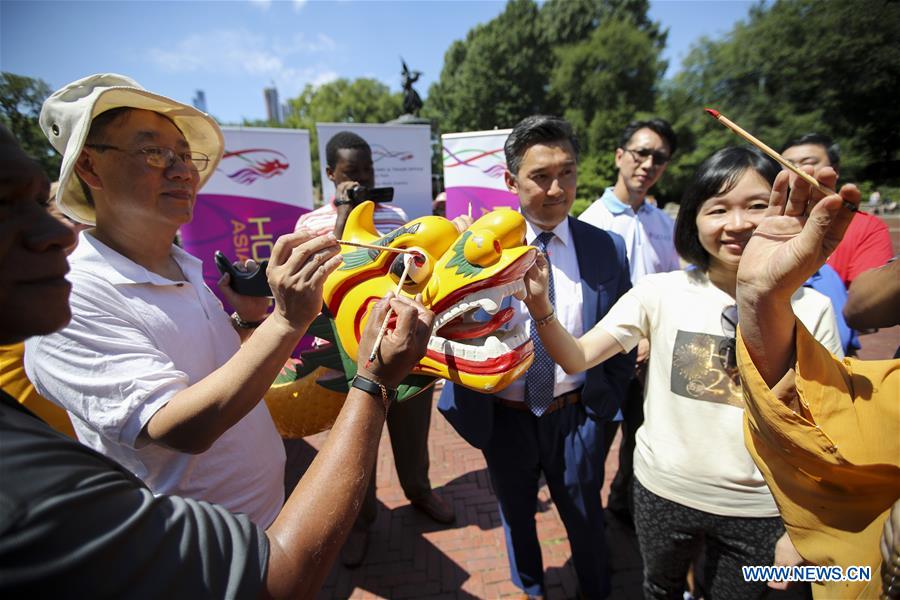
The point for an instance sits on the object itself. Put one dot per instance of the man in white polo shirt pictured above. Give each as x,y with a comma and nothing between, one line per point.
348,164
151,370
644,151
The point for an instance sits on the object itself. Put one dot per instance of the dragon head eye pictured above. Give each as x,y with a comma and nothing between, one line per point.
482,248
419,268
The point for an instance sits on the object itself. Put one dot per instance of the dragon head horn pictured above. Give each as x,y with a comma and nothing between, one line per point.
362,219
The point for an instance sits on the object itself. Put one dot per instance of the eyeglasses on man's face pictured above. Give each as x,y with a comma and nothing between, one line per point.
641,154
162,158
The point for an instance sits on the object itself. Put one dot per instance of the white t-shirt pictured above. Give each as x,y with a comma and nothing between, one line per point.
135,340
690,449
648,233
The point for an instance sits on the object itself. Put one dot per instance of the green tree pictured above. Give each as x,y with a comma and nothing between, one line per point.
606,69
340,101
602,82
344,101
796,66
597,63
21,99
496,76
572,21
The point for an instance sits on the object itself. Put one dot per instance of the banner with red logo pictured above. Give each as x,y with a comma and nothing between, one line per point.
260,188
474,165
401,155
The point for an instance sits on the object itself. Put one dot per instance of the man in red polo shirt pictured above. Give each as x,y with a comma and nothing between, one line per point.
867,243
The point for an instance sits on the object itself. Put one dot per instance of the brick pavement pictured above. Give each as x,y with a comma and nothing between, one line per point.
410,556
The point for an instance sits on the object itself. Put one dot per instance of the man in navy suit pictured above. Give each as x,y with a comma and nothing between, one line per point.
547,421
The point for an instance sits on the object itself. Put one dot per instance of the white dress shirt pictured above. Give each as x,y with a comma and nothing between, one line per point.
567,288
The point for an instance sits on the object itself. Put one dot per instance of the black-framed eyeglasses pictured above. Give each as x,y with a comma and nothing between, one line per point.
642,154
728,348
162,158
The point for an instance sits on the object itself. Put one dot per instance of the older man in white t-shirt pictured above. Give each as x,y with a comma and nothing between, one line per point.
151,370
644,151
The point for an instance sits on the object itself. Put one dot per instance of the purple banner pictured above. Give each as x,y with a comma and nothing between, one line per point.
240,227
481,199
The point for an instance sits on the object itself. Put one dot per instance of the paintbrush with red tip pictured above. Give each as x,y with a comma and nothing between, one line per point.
778,157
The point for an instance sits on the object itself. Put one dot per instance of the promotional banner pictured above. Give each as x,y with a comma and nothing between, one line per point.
402,158
260,188
474,164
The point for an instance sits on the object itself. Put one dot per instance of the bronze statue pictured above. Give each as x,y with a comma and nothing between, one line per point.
411,100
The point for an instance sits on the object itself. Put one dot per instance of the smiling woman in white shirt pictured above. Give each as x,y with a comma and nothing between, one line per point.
695,483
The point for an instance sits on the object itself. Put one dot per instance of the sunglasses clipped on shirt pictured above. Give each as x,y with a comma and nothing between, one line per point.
728,348
162,158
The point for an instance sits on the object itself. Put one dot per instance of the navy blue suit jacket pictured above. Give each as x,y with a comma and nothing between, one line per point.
603,264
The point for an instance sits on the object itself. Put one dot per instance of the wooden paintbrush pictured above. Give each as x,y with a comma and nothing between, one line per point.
784,162
407,262
374,247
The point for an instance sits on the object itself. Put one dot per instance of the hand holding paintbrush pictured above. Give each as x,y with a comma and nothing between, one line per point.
407,262
401,347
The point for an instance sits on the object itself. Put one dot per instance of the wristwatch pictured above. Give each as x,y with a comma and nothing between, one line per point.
378,390
242,324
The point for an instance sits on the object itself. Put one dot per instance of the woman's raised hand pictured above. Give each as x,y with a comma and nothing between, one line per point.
537,287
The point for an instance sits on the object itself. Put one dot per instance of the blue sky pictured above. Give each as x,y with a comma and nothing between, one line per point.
233,49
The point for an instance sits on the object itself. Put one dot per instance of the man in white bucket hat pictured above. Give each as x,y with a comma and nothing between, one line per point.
151,369
68,114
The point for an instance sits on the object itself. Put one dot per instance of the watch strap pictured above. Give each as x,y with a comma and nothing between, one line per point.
242,324
376,389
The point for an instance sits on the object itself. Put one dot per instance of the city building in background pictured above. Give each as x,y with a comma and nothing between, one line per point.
273,108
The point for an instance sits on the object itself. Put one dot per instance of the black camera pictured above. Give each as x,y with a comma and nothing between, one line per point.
247,283
361,193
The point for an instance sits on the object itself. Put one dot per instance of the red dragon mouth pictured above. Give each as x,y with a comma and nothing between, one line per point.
466,344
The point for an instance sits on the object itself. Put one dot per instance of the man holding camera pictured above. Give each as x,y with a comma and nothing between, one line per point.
349,166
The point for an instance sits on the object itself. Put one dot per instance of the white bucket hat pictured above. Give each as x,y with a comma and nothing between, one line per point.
66,120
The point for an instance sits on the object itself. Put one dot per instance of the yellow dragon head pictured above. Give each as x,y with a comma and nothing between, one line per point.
463,278
460,274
